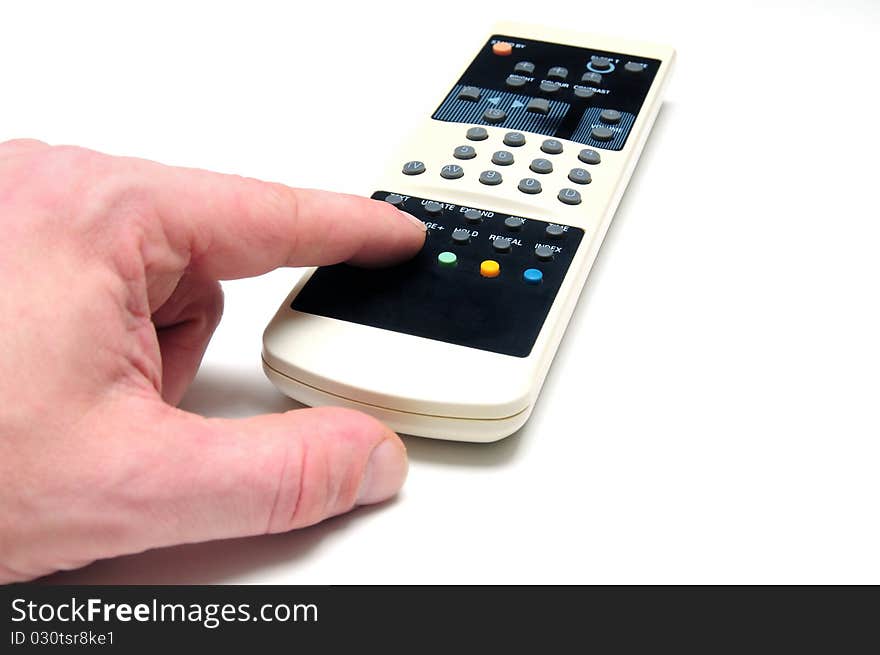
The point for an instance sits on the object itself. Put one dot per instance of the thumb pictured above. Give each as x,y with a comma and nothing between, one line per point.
196,479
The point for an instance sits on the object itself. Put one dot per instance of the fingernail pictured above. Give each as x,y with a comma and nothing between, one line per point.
415,221
384,473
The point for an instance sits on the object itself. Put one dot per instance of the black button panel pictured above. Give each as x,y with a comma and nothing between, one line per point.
552,90
446,298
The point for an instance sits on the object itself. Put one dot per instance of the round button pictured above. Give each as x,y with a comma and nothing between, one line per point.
554,231
502,48
633,67
514,223
461,236
557,73
551,146
591,78
477,133
473,216
569,196
494,115
433,208
447,259
589,156
502,158
610,116
413,168
515,81
490,177
529,185
524,67
601,64
451,171
584,94
532,276
395,199
580,176
549,88
464,152
601,133
490,268
514,139
544,253
501,244
542,166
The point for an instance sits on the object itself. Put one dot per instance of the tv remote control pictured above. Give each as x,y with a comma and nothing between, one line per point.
517,174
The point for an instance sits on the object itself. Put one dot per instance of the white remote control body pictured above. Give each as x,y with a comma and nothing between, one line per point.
517,174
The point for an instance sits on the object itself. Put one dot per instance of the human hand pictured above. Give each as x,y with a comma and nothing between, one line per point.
109,270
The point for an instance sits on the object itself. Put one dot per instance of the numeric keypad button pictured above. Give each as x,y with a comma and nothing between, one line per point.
589,156
502,158
490,177
542,166
529,185
580,176
464,152
551,146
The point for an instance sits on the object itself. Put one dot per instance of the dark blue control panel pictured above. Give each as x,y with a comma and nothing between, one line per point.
583,95
484,279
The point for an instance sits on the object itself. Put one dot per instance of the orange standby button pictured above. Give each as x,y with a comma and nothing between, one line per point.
502,48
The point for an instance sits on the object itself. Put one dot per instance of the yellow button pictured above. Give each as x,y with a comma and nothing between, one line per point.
490,268
502,48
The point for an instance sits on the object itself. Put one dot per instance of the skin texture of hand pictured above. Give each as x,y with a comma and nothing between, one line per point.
109,270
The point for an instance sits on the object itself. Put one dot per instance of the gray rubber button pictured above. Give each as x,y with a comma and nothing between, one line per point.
494,115
413,168
633,67
464,152
591,78
395,199
538,106
552,146
557,73
451,171
529,185
542,166
433,208
515,81
490,177
461,236
569,196
549,87
514,139
580,176
602,133
473,216
601,63
471,93
589,156
477,134
581,92
513,222
544,253
555,231
524,67
502,158
610,116
501,244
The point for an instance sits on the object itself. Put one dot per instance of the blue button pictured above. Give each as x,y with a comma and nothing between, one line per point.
532,276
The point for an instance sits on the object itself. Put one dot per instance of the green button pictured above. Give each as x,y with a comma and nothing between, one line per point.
447,258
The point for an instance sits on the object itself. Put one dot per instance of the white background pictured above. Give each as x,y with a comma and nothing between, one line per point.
712,415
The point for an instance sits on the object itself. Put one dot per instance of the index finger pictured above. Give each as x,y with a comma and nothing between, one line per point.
234,227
